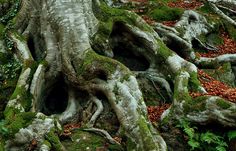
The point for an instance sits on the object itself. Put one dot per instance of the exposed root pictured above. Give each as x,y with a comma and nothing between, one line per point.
202,110
214,109
193,25
222,14
72,108
214,62
97,113
226,8
37,88
154,77
206,46
171,36
103,133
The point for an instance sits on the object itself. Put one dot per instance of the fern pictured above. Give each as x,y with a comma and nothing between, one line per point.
193,144
189,131
204,141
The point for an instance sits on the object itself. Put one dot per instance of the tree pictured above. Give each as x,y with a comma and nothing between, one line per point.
73,44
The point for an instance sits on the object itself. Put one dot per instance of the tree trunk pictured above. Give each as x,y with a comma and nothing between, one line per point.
70,45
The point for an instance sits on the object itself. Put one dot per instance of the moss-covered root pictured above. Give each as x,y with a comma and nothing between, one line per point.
216,61
54,140
207,109
221,13
202,110
126,100
20,100
39,128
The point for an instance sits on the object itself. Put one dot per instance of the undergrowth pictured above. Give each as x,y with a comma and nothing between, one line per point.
202,141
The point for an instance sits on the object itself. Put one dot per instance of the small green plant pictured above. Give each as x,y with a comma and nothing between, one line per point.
204,141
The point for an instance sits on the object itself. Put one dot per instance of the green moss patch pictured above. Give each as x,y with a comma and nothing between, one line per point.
223,73
2,29
14,122
83,140
206,8
95,66
53,139
112,15
223,104
165,13
231,30
196,104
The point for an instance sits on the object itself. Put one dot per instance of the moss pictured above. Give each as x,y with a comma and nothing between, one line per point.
23,96
44,63
223,104
9,73
130,145
213,38
54,140
145,134
223,73
16,121
182,94
89,141
3,1
231,30
95,64
196,104
209,64
125,77
100,39
165,13
194,83
47,143
4,58
2,145
151,99
2,30
112,15
19,36
206,8
163,50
